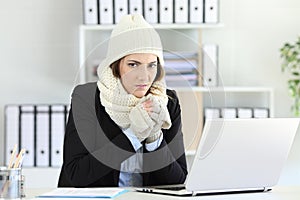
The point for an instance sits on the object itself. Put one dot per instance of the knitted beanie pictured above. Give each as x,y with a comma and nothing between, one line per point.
132,35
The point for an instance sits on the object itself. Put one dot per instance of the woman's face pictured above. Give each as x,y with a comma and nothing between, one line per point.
138,72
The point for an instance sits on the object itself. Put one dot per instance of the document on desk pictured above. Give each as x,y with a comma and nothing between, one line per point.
83,193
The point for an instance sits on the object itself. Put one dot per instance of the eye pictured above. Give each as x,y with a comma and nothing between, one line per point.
152,65
132,65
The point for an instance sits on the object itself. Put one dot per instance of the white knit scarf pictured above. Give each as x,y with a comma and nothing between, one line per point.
118,103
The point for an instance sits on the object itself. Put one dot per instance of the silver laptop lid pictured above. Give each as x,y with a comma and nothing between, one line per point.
237,154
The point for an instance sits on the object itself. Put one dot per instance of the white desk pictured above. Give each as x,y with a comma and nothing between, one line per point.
278,193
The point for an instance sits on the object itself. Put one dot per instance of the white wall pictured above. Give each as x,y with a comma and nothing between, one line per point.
39,52
249,44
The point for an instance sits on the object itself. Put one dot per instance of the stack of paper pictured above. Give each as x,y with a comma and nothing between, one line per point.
83,193
181,69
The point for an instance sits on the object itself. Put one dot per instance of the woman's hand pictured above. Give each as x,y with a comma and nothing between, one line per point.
157,115
148,118
155,112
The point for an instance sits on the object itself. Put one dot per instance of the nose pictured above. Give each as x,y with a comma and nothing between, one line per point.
142,73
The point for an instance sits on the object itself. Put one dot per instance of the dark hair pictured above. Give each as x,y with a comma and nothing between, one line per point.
115,67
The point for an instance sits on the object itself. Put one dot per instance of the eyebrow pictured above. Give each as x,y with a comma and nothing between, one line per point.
138,62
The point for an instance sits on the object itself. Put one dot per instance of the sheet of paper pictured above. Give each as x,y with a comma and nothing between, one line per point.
83,193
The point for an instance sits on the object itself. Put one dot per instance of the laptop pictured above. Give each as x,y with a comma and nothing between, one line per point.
236,155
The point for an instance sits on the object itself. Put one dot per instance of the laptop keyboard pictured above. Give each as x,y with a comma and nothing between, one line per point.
174,188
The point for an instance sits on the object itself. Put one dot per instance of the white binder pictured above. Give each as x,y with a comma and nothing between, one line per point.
105,12
260,112
121,9
42,135
196,11
57,134
228,113
151,11
211,113
136,7
166,11
244,112
181,11
90,12
27,134
211,11
11,130
210,64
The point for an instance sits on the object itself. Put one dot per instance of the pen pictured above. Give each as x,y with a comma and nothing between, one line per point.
12,157
19,158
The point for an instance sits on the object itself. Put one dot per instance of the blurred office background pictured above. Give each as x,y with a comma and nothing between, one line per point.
39,57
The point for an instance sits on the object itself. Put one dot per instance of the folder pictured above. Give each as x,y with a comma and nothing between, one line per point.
136,7
211,11
90,12
42,135
228,113
196,11
244,112
211,113
28,134
210,64
151,11
260,112
181,11
12,114
121,9
105,12
166,11
57,134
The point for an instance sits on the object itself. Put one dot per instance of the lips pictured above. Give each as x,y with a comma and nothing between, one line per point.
142,86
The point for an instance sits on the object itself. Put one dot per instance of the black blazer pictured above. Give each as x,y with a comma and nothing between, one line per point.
95,147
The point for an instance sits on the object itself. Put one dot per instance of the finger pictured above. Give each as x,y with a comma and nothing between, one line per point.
147,104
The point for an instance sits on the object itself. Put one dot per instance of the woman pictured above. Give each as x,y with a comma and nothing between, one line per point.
125,130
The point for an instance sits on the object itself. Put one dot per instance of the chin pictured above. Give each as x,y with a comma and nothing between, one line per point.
139,94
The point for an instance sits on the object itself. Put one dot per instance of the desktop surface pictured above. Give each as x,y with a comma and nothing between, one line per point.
278,193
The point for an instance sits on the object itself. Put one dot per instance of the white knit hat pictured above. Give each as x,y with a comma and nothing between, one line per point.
132,35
